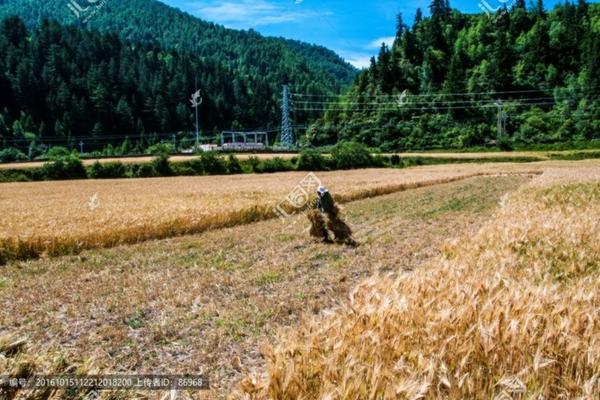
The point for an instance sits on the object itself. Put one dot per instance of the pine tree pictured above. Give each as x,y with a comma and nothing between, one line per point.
418,18
439,9
539,9
15,31
124,116
400,27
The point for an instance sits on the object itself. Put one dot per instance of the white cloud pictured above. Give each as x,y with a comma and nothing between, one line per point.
388,40
359,60
251,13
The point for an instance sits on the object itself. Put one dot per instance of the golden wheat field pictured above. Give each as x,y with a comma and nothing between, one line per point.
468,281
512,312
56,218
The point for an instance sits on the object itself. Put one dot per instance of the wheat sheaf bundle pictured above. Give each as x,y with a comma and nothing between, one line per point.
513,312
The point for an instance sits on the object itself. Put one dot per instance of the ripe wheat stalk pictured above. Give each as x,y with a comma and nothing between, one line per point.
510,313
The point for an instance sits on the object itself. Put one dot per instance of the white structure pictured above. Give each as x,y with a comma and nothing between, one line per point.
240,141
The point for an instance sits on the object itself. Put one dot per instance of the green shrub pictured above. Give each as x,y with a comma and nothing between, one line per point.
11,154
194,165
311,160
213,163
57,153
395,160
535,128
233,165
276,164
161,165
69,167
109,170
142,171
253,164
505,144
349,155
183,169
160,149
16,175
379,161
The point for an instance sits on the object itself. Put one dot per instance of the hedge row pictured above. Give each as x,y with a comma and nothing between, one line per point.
348,155
69,166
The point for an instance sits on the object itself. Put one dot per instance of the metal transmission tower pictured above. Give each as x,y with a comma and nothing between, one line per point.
287,133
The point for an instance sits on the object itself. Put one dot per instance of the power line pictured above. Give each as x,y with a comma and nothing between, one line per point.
541,101
431,102
378,126
454,94
429,108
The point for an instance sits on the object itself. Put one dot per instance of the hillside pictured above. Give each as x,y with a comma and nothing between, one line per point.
240,72
152,21
437,86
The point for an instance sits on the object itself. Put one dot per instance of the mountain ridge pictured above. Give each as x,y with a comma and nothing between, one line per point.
110,18
241,73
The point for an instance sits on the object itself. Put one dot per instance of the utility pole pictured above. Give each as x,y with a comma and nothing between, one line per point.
501,124
197,105
287,134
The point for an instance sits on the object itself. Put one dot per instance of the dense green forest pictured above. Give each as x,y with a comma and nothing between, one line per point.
130,71
438,84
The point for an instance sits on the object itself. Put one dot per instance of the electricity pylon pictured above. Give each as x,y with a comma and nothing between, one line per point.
287,133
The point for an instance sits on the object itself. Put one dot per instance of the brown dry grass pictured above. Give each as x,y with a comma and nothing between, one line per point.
55,218
208,302
511,312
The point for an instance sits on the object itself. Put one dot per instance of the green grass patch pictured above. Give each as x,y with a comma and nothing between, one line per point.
268,278
3,283
418,161
234,327
135,321
576,155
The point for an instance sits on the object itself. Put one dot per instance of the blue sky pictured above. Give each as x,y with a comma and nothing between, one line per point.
354,29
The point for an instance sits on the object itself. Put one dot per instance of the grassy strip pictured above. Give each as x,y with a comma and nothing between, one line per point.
418,160
213,164
576,155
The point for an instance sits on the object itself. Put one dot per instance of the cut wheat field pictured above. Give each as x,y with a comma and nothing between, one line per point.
208,302
57,218
473,281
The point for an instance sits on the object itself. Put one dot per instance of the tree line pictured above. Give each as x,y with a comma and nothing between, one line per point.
59,83
443,79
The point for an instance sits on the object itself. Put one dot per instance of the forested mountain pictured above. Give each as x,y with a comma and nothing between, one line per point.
130,70
439,83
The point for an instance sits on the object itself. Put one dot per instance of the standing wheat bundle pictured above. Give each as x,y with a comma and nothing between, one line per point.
327,210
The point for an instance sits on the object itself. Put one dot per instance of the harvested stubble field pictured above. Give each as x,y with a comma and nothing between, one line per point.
58,218
510,302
